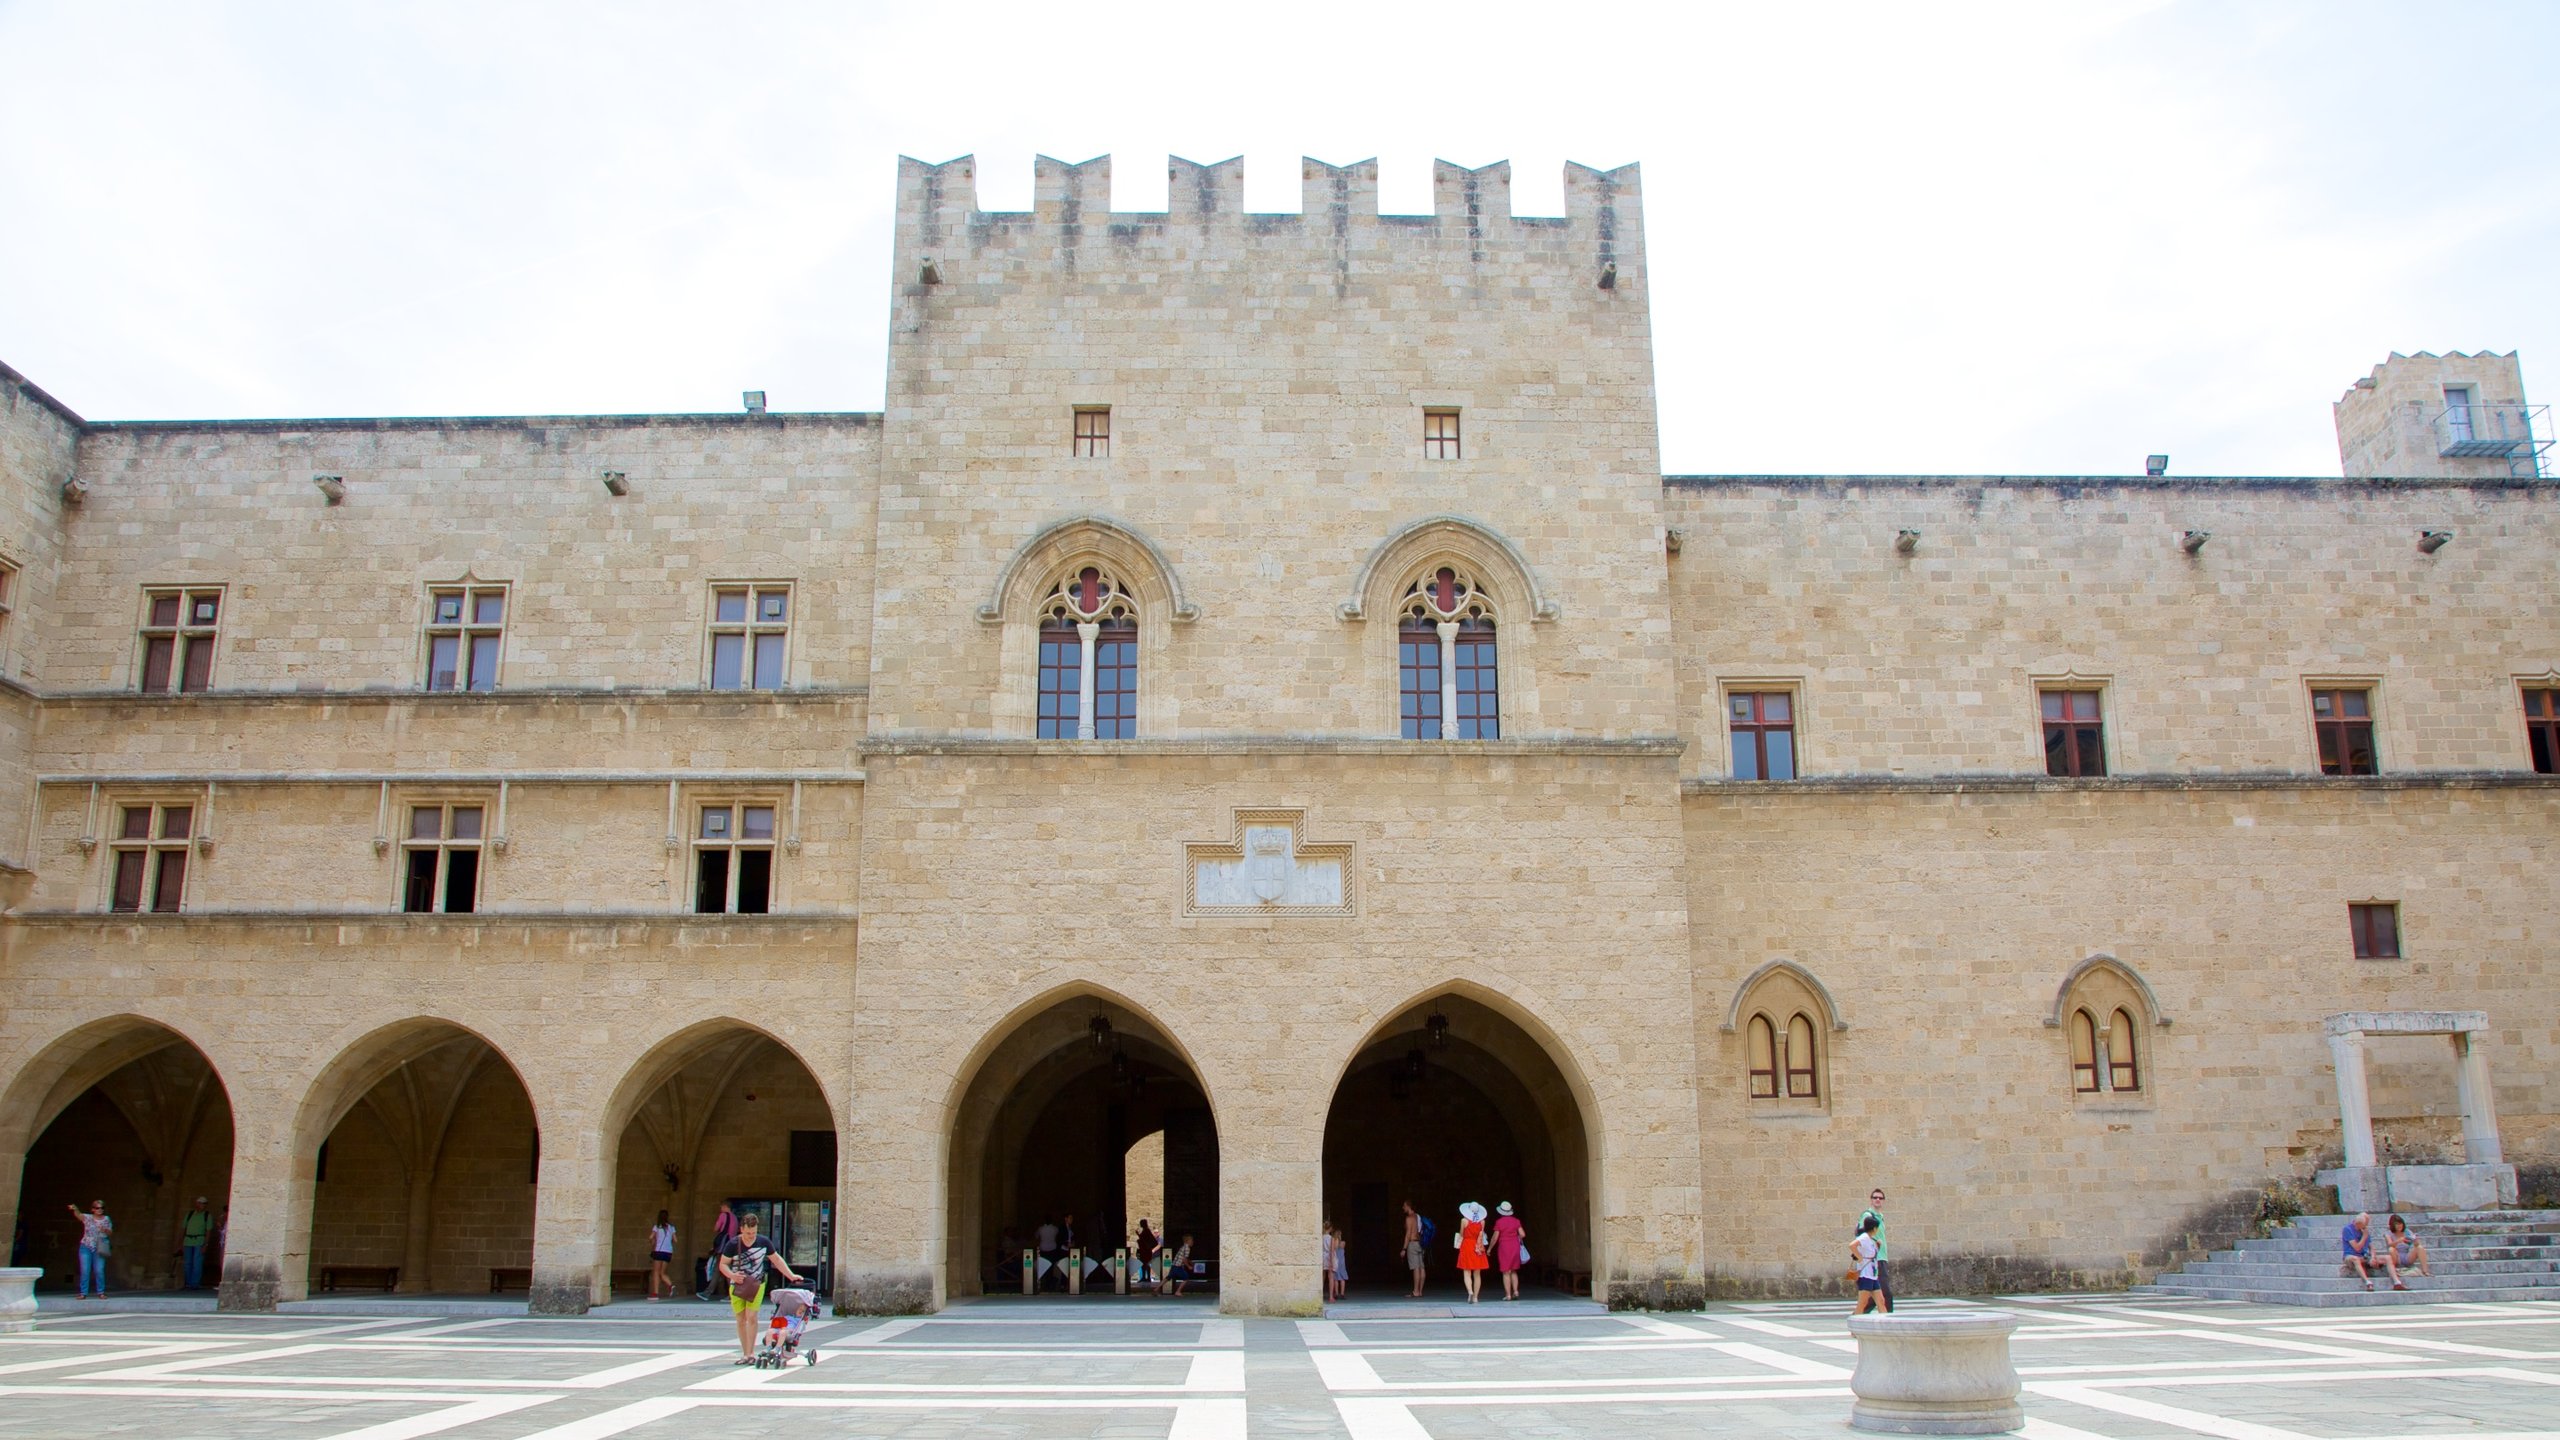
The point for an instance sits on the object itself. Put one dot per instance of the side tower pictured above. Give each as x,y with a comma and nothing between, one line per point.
2456,416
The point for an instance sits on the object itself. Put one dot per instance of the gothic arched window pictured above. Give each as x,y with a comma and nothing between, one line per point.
1764,1059
2084,1053
2124,1065
1448,685
1088,659
1799,1060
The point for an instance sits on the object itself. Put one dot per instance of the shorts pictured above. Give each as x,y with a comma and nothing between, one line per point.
1413,1255
742,1304
1866,1283
662,1254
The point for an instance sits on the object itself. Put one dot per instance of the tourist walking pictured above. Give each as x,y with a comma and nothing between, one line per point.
1884,1256
191,1242
1866,1254
662,1249
97,1231
1472,1245
1510,1248
1148,1244
1416,1256
1341,1265
1177,1269
743,1262
724,1228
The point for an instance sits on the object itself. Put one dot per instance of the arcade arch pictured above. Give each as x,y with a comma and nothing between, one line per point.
1044,1128
1453,1100
128,1111
420,1146
721,1112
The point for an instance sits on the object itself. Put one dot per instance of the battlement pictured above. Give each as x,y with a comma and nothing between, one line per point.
939,215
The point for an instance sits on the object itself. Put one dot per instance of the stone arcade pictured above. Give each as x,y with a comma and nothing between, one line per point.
1250,700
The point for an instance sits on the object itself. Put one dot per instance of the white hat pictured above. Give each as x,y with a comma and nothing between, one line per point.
1472,1210
1503,1209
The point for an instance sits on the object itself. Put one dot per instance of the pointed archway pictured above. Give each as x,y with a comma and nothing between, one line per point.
133,1114
1043,1132
1451,1101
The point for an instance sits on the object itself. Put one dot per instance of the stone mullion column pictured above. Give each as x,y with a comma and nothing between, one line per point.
1087,632
2355,1109
1448,679
2479,1103
263,1260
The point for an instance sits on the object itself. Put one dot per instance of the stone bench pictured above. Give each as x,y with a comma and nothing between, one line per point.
510,1280
1943,1373
385,1278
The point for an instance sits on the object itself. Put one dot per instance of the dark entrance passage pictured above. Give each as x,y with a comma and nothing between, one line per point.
1453,1101
1046,1136
140,1121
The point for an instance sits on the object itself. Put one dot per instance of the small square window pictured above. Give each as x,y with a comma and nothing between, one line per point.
2377,930
2542,729
2074,733
1763,729
178,637
1440,435
750,630
466,629
1093,432
2342,723
150,852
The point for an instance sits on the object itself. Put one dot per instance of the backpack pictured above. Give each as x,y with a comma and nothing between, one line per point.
1430,1232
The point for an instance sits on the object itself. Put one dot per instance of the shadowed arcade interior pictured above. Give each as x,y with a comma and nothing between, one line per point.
1452,1102
135,1116
1047,1129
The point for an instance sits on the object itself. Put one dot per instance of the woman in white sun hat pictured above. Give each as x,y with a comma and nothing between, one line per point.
1471,1250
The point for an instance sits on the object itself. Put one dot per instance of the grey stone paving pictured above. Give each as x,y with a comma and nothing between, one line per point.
1141,1369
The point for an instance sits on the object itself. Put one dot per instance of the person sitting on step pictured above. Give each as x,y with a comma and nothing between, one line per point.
2402,1247
2355,1244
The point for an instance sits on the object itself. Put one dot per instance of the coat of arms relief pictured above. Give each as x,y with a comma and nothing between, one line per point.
1269,868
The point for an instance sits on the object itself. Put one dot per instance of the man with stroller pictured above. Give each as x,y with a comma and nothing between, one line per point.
743,1263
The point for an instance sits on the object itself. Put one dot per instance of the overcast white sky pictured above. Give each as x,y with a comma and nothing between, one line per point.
2043,238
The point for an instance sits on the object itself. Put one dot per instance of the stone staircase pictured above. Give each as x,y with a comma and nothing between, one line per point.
2482,1255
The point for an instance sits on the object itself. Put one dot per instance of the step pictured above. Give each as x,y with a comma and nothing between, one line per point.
2526,1219
2506,1272
2326,1300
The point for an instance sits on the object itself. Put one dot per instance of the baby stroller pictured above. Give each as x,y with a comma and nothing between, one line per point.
781,1339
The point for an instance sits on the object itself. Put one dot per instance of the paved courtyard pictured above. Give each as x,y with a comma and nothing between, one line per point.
2107,1366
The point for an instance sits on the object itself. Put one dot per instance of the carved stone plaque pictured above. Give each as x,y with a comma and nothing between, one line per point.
1267,869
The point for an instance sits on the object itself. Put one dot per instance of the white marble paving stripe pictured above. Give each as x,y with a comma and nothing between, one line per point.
1221,1370
638,1369
1768,1327
885,1330
1193,1419
467,1413
166,1369
1645,1344
91,1357
1654,1326
2371,1336
1315,1333
2164,1367
1780,1361
2036,1429
2246,1341
2135,1408
1223,1334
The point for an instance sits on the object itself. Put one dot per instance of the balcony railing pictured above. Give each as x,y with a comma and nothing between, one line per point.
2517,434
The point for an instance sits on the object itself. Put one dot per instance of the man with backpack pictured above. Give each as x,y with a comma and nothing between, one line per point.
1418,1233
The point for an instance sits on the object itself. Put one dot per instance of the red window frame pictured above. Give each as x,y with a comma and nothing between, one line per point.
1418,678
2084,1053
180,627
1763,1058
1061,679
2376,928
1479,681
2074,733
2542,729
1798,1059
1753,717
1093,432
2342,722
1115,680
2124,1060
151,846
1440,435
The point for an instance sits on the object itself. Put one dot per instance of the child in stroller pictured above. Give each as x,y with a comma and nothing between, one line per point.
781,1339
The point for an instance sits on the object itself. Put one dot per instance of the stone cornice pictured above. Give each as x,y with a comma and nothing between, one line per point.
2145,784
2322,485
1643,746
398,922
460,699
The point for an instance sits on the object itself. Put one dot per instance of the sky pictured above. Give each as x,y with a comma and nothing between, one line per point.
1949,238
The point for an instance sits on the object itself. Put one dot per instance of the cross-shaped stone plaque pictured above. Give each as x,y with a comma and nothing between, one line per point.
1269,868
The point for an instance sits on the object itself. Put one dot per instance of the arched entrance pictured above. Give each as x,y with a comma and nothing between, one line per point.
423,1147
131,1113
722,1112
1451,1101
1046,1130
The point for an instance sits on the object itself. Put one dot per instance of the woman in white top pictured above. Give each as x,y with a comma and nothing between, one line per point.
662,1248
1862,1253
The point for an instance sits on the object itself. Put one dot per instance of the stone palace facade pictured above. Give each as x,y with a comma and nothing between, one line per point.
1247,736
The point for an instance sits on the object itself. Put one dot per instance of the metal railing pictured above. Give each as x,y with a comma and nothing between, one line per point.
2517,434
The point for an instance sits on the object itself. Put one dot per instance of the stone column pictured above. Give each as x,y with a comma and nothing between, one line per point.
573,1201
2355,1109
266,1252
1087,632
414,1254
1448,679
2479,1103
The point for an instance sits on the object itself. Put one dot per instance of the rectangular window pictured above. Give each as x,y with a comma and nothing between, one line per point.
2343,720
1093,432
2074,734
178,631
2457,413
2377,931
1764,734
441,860
1439,434
1115,681
1061,681
750,628
1418,680
2542,729
151,858
813,1159
8,600
733,860
465,627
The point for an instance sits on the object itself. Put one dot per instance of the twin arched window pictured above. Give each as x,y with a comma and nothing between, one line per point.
2105,1058
1448,684
1088,659
1782,1060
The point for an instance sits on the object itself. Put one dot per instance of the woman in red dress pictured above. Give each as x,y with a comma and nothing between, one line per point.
1510,1248
1472,1244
